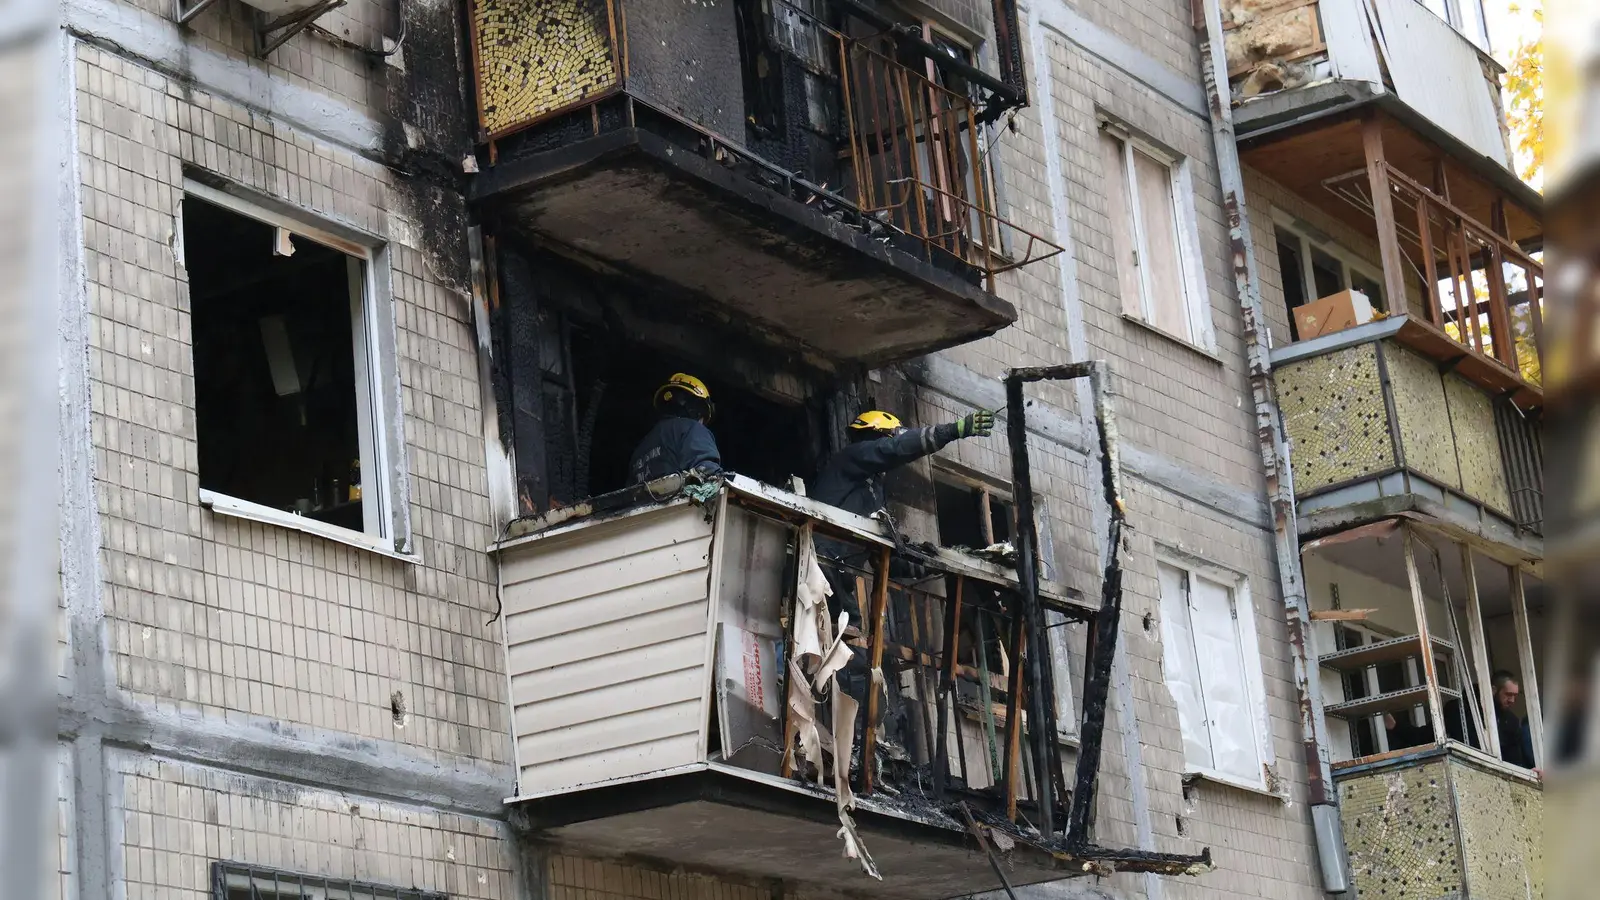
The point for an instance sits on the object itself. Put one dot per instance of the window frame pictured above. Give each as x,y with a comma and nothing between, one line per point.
1186,234
226,875
385,487
1250,665
1283,225
1067,713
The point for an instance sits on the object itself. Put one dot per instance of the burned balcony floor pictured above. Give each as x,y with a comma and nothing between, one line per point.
656,711
803,273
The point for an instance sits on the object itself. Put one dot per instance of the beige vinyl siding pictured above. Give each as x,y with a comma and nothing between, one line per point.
607,643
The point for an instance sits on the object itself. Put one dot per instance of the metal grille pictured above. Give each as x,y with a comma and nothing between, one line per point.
1522,446
235,881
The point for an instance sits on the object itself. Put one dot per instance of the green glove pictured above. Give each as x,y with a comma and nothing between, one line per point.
978,423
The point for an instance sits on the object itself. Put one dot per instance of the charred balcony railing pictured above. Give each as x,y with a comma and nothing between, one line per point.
671,658
905,124
918,163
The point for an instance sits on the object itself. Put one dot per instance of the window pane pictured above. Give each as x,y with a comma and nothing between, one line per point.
1292,271
1371,288
1119,209
1228,709
1327,272
1182,668
1163,266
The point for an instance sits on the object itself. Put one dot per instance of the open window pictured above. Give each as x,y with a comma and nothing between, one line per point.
970,513
288,411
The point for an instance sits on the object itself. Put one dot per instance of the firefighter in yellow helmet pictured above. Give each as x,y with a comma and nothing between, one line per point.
680,440
852,479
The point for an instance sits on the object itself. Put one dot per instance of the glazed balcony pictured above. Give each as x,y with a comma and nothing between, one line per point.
1425,62
802,167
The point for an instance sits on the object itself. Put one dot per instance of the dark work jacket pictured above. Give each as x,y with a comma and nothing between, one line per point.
852,478
1512,747
674,444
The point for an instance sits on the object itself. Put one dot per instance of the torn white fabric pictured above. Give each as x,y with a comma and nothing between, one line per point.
803,710
822,650
844,737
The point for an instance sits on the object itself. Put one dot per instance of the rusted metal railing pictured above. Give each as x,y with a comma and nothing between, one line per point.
918,164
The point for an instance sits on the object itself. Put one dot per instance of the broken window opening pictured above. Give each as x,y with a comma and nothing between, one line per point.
287,418
579,372
971,514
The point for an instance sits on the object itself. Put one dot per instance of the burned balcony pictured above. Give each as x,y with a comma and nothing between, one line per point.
722,672
808,168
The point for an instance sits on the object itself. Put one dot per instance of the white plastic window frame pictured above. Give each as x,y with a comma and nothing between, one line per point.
1250,667
1283,224
1196,300
385,509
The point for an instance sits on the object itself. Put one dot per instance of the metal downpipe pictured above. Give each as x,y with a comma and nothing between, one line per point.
1274,458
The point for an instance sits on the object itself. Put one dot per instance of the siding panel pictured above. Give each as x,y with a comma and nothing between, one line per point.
606,647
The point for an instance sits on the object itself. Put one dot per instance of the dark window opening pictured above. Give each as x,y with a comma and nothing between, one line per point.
1291,269
1368,286
960,509
1327,274
281,387
595,419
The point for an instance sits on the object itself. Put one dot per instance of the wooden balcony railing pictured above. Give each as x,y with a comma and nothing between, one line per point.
1477,286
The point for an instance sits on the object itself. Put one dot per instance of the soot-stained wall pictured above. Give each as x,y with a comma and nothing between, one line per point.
683,55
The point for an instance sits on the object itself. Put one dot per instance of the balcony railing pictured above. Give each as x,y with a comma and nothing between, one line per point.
1478,287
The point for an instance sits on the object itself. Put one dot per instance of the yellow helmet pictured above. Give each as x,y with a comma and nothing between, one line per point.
681,390
876,420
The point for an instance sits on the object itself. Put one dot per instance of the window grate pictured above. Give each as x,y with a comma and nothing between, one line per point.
236,881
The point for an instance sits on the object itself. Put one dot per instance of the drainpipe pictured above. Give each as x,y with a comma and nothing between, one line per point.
1275,460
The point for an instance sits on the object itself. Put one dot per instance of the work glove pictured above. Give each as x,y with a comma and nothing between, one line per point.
978,423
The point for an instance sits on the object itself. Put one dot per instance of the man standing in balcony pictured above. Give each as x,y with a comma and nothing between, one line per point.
852,479
680,440
1515,747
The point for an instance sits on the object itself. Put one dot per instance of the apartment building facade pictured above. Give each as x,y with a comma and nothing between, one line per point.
365,301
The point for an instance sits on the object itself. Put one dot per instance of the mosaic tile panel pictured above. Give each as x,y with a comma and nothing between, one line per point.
1483,468
1400,833
1423,417
1334,413
538,56
1502,834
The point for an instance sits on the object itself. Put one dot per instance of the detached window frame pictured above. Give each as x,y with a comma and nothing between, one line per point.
233,881
1209,694
384,494
1123,151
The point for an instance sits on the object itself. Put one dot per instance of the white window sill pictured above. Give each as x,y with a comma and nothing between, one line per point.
224,505
1192,773
1208,352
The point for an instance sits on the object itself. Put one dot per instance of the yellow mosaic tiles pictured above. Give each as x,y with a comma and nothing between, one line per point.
1483,469
1424,419
1399,829
538,56
1502,834
1334,413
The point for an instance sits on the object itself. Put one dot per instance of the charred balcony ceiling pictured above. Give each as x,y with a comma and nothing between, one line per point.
816,171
